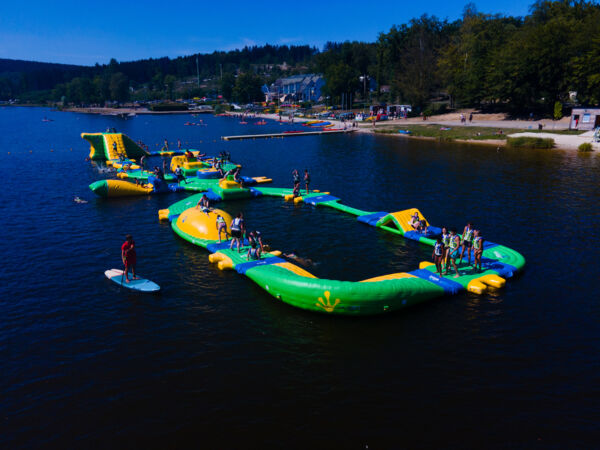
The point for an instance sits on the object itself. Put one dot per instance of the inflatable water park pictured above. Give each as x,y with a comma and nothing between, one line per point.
290,283
198,172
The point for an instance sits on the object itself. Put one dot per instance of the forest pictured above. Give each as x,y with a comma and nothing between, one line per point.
511,63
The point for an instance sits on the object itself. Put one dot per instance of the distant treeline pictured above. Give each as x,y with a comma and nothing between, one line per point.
515,63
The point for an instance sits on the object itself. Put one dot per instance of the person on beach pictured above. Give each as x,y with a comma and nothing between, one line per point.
470,117
295,177
453,252
237,232
438,255
204,204
221,227
477,250
165,146
128,257
143,162
306,179
467,242
178,144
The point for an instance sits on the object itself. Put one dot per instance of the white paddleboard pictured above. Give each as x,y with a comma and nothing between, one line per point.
141,284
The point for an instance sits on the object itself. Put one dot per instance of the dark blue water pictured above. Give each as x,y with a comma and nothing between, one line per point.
214,361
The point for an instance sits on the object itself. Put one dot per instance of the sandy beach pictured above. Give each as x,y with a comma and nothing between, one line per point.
497,120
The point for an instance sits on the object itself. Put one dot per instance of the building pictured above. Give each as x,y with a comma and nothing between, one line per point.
585,118
299,88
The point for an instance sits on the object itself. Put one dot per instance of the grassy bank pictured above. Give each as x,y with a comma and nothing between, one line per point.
438,132
530,142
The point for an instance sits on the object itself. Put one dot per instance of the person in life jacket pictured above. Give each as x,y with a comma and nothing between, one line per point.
237,232
446,242
438,254
467,243
221,227
477,250
453,246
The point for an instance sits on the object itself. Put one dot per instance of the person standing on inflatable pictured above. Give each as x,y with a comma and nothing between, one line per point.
306,179
129,258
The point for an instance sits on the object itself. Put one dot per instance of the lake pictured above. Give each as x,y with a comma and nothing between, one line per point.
214,361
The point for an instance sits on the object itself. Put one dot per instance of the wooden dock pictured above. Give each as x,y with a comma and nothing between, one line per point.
283,135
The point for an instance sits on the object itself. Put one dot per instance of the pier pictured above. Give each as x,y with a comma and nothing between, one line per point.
283,135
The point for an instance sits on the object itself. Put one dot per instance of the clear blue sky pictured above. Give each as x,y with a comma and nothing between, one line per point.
83,32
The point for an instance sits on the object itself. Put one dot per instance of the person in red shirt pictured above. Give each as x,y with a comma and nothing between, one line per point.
128,257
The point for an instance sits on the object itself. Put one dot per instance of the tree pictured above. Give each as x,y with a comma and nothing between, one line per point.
340,79
101,88
170,83
247,88
558,112
227,84
409,58
80,90
119,87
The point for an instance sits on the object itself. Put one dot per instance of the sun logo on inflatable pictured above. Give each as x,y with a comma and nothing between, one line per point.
326,304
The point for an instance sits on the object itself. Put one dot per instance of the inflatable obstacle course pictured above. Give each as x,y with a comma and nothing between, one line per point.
294,285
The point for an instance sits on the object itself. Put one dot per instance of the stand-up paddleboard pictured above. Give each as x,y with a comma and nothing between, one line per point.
141,284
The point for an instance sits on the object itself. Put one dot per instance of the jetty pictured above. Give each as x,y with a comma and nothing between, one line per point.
284,135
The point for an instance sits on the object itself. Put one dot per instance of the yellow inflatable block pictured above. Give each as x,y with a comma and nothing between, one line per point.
401,219
261,180
424,264
275,253
163,214
223,261
289,197
202,225
390,276
296,269
122,175
228,184
225,264
492,280
476,287
297,199
118,165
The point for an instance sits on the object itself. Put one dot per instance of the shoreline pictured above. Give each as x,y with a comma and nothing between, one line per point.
561,141
131,111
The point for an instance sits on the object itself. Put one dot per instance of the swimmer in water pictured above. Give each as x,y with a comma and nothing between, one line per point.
293,256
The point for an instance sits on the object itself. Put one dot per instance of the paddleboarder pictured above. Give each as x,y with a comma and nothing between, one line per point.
129,258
